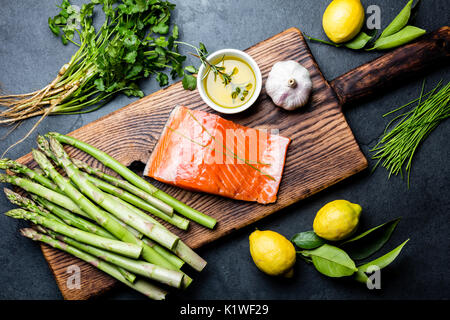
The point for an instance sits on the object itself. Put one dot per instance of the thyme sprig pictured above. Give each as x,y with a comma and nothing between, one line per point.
217,69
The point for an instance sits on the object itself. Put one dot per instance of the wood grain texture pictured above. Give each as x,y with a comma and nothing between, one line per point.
323,152
406,62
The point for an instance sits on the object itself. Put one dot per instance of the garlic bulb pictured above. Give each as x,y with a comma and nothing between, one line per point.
289,84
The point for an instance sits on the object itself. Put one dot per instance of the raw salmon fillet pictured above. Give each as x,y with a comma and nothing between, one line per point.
200,151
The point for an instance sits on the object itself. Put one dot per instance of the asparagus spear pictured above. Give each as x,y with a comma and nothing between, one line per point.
134,179
23,169
28,204
71,219
145,269
181,249
55,197
168,255
149,247
103,218
138,202
127,274
148,253
42,191
115,228
44,146
123,184
123,248
142,286
154,232
100,216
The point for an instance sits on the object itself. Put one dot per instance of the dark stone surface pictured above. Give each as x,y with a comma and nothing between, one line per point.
30,56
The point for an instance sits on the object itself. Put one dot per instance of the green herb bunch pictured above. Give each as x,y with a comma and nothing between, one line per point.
337,259
134,42
131,44
399,143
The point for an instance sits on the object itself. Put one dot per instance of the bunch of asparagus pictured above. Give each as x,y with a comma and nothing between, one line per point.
103,219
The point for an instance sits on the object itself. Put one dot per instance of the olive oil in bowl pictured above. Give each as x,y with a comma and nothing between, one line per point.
230,82
238,91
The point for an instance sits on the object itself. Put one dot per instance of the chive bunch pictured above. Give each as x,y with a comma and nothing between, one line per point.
397,146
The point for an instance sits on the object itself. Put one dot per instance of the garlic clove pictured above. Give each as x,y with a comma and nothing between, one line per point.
289,85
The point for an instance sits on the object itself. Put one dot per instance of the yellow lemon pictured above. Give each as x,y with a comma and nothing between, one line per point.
343,19
272,253
337,220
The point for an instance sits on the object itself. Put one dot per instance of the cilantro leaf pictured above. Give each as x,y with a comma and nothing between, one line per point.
131,57
191,69
175,32
162,79
189,82
161,28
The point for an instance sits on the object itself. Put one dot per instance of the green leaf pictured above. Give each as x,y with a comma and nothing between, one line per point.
404,36
53,27
160,51
399,22
370,241
307,240
331,261
189,82
99,84
162,79
161,28
203,48
175,32
64,39
134,90
381,262
131,40
135,70
359,41
131,57
161,41
191,69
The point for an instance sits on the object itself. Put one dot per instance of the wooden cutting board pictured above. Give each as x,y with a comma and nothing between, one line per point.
323,150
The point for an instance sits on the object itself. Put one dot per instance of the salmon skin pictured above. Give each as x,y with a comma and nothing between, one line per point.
200,151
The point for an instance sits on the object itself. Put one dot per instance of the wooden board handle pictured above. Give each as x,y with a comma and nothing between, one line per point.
429,51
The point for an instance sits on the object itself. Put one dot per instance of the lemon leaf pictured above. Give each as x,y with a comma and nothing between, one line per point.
331,261
370,241
359,41
380,262
400,21
307,240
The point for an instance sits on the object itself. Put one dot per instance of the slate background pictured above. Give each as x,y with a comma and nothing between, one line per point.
30,56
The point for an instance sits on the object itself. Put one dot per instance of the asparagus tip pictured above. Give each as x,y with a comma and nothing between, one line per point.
40,139
8,191
16,213
13,197
29,233
38,155
56,147
6,163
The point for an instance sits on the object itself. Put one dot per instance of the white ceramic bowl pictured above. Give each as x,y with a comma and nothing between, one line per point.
230,53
